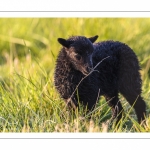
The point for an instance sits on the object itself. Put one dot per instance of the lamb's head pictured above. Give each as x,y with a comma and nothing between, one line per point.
79,50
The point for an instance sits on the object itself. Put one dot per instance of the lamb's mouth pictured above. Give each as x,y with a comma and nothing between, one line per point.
86,72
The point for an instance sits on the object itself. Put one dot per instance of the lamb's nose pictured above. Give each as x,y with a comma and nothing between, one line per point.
88,69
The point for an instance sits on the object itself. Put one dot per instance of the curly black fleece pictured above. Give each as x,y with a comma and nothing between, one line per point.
119,72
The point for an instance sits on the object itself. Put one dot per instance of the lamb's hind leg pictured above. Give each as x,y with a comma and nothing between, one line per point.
138,104
114,103
140,108
131,90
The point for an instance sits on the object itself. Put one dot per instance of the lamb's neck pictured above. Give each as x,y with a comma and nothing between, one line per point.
66,77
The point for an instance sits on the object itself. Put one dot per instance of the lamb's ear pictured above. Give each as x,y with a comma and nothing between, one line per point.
93,39
64,42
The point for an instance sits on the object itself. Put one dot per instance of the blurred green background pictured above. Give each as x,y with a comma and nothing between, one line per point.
18,36
39,35
29,48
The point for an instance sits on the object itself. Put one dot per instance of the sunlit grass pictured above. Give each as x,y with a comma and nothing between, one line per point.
28,50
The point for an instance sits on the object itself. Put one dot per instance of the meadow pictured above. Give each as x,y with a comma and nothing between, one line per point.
28,51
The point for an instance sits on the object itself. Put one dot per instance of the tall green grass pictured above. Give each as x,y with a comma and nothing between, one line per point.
28,51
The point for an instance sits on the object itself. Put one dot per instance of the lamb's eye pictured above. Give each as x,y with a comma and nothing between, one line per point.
78,57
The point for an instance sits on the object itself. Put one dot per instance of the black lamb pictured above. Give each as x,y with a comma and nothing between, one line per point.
85,71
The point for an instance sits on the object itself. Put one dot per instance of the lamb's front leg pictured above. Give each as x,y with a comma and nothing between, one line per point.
114,103
70,104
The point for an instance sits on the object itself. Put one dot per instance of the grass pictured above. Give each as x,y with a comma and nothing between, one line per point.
28,50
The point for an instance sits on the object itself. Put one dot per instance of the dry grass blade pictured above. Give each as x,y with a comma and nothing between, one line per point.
70,100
